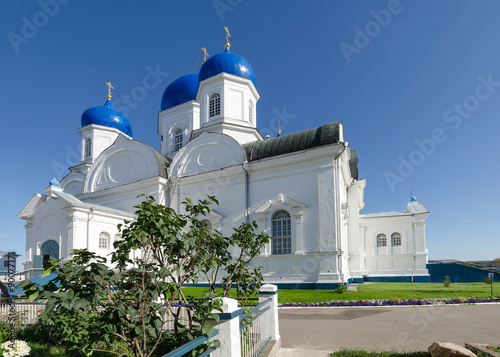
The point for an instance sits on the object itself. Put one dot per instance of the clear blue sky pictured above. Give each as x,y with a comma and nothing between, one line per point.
416,85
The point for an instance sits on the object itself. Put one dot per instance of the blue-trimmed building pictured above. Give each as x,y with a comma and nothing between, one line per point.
302,188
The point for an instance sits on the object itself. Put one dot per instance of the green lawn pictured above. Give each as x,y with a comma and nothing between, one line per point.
362,353
391,291
383,291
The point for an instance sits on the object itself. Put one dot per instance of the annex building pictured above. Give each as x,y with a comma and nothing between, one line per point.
302,188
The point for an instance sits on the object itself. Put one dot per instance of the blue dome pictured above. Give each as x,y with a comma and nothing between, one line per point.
107,116
227,62
182,90
54,182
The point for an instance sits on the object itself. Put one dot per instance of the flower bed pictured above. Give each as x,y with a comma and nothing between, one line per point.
395,302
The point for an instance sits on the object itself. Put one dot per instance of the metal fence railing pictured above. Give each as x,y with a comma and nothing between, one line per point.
252,339
188,347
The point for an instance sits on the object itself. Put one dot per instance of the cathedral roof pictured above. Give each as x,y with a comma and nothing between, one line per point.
182,90
307,139
227,62
106,115
75,202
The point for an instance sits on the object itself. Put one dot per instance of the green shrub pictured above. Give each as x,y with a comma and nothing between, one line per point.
446,281
39,332
488,280
4,333
17,322
341,289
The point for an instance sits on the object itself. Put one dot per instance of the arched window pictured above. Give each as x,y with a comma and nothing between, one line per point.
50,248
88,147
178,138
250,111
214,105
208,225
104,240
282,233
395,239
381,240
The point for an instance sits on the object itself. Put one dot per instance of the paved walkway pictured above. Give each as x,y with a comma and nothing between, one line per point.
290,352
317,331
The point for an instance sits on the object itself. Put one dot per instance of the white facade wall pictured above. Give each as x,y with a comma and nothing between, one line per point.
405,260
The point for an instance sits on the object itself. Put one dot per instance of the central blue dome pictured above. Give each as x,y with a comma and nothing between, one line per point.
182,90
227,62
107,116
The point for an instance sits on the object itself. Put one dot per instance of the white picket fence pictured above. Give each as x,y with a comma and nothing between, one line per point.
27,312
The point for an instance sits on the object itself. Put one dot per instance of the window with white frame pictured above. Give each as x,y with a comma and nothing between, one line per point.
104,240
88,147
395,239
214,105
281,242
250,111
381,240
178,139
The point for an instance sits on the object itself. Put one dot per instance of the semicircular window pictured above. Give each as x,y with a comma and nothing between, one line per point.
50,248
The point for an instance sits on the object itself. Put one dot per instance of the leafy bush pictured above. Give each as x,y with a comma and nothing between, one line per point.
341,289
446,281
95,308
17,322
4,333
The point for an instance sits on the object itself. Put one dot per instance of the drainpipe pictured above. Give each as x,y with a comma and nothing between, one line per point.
247,193
88,227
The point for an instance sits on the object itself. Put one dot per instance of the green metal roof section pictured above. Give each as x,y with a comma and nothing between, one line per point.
353,164
307,139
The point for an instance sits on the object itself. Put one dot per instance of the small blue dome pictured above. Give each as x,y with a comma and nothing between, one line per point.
182,90
107,116
54,182
227,62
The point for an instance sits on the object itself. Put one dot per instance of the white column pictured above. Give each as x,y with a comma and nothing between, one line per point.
299,249
229,330
270,323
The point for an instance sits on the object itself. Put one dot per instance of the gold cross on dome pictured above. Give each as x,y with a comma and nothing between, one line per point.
109,89
227,37
205,54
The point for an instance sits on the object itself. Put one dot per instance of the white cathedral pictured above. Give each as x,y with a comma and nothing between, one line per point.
302,188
